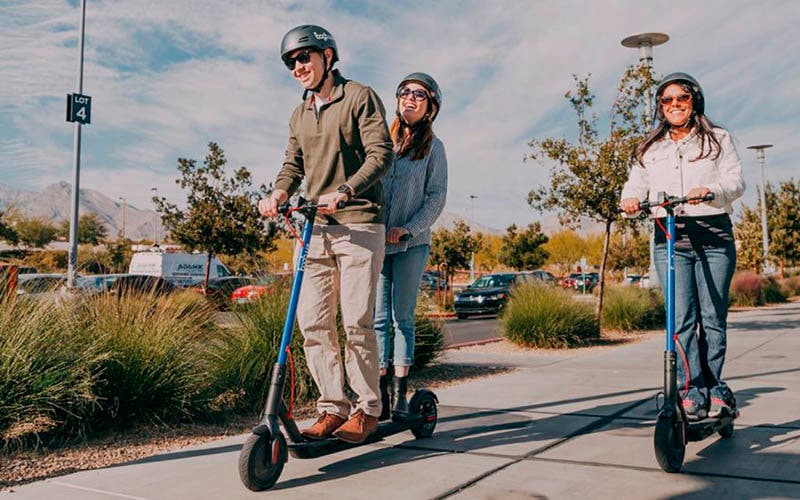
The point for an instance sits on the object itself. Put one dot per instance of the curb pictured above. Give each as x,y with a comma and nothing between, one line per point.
440,315
474,343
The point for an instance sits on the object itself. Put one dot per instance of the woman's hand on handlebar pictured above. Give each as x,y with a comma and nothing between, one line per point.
395,235
697,192
629,205
268,207
330,203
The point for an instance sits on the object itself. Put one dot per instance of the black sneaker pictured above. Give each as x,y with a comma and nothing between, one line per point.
694,410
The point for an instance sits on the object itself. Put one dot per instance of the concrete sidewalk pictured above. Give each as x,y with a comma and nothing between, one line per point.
566,424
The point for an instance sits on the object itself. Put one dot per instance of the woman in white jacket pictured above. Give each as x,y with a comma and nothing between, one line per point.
687,155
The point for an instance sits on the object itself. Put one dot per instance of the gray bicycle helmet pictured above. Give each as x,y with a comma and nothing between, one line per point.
698,100
429,83
308,35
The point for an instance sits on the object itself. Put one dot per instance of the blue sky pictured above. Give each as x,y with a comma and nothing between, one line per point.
167,77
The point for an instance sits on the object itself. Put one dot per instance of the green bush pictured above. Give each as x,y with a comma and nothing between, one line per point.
47,372
773,292
428,340
631,309
791,286
749,289
544,316
156,365
246,353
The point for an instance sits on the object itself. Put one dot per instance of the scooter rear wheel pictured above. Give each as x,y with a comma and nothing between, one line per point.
425,407
726,431
669,448
261,460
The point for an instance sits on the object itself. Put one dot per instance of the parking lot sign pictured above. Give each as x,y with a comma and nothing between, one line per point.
79,108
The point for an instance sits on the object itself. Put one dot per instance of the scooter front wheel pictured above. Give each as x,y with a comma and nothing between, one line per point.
423,404
261,460
668,445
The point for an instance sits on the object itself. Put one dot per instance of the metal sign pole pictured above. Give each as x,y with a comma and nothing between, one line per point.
76,168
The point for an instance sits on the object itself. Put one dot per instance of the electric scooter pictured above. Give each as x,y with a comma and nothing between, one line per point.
265,451
673,428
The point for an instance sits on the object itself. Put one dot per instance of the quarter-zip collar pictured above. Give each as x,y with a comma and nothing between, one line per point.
337,92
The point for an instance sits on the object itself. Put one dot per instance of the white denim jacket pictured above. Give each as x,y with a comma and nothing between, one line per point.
668,167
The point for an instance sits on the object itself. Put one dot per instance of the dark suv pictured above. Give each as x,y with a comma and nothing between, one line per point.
487,295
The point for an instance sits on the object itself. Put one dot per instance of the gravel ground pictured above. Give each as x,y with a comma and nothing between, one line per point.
114,448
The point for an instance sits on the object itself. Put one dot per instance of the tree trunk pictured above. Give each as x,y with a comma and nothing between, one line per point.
208,271
783,265
602,283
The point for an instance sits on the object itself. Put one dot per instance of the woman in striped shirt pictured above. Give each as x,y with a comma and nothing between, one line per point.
415,189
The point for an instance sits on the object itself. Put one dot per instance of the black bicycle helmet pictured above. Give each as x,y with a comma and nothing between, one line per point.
308,35
698,100
429,83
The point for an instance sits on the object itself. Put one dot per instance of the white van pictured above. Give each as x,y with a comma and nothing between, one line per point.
180,269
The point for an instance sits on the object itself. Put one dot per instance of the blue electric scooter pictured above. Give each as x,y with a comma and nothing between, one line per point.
673,428
266,450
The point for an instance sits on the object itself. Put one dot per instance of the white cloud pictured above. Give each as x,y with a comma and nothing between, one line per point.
504,67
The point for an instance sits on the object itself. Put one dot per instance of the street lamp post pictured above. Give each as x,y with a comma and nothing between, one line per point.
645,43
72,261
764,234
472,199
124,215
155,218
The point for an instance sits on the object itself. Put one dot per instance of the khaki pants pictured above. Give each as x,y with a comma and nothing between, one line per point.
343,265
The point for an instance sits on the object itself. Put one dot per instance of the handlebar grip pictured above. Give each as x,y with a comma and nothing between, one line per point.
340,205
284,207
708,197
405,237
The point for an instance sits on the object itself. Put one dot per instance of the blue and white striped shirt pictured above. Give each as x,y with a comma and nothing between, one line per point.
414,195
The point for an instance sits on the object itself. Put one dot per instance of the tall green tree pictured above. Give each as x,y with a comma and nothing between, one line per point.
523,250
747,230
221,214
587,175
35,232
91,229
452,249
783,221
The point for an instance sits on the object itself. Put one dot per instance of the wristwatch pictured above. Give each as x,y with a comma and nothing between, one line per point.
345,189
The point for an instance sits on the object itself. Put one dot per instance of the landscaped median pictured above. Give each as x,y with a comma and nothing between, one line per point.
71,369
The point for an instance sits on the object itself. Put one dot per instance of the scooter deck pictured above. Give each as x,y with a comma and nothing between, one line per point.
701,429
313,449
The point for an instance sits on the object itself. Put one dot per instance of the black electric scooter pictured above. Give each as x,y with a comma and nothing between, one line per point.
263,454
673,428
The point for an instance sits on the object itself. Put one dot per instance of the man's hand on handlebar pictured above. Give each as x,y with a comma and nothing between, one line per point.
330,203
397,234
269,207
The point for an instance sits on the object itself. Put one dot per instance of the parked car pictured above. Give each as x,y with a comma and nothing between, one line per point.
540,275
141,283
96,283
254,291
569,281
486,295
220,290
36,285
431,280
645,282
591,280
632,280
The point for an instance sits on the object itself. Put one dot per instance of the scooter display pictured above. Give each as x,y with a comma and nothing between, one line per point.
266,450
673,429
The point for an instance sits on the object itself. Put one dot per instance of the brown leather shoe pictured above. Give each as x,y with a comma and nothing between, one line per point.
358,428
324,426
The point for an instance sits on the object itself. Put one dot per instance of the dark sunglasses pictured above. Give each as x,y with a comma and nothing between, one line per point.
416,94
666,100
303,57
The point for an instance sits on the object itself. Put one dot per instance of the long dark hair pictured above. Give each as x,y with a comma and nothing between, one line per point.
709,144
417,144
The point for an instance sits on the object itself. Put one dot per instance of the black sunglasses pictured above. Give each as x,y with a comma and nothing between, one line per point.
303,57
667,100
416,94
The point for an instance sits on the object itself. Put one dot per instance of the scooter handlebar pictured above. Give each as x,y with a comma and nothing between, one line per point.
304,206
671,201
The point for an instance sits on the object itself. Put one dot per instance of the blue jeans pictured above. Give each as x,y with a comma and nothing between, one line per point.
398,286
702,281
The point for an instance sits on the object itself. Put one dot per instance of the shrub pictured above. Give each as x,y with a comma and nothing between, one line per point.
773,292
631,309
746,289
428,338
155,367
791,286
543,316
47,372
